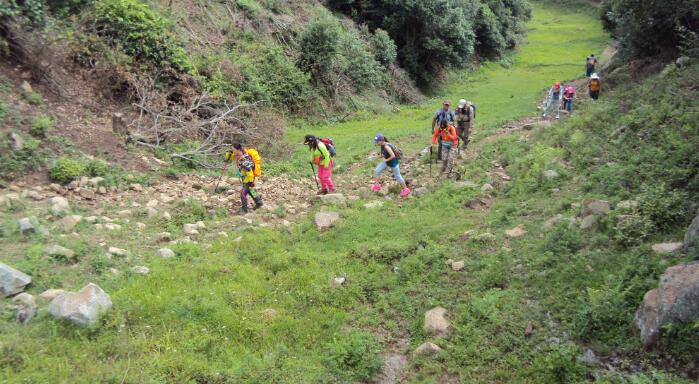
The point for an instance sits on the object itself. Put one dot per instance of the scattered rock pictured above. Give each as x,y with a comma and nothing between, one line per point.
151,212
166,253
152,203
12,281
436,322
87,194
595,207
26,307
427,349
420,191
666,247
57,251
90,219
82,308
95,181
164,236
465,184
550,223
675,300
102,190
16,141
528,329
124,213
325,220
200,225
25,226
692,235
479,204
34,195
487,187
190,229
112,226
51,294
166,216
118,252
59,205
333,199
373,204
337,281
140,270
588,222
136,187
551,174
26,87
141,226
269,313
458,265
67,223
516,231
588,358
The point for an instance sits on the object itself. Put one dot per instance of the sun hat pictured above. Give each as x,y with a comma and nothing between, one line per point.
462,103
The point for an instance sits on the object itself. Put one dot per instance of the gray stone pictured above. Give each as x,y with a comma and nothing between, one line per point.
25,226
421,191
550,223
166,253
118,252
58,251
457,265
200,225
95,181
683,61
67,223
16,141
34,195
12,281
124,213
588,358
692,235
487,187
666,247
140,270
516,231
190,229
594,207
675,300
59,205
26,87
551,174
81,308
427,349
588,222
151,212
324,220
112,226
26,307
373,204
465,184
337,281
51,294
333,199
141,226
164,236
436,323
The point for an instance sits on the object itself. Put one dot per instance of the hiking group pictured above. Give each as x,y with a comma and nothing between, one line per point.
561,98
450,139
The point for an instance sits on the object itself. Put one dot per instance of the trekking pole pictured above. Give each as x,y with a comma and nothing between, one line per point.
430,161
225,165
313,175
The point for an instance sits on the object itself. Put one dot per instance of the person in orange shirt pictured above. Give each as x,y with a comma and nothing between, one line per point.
449,145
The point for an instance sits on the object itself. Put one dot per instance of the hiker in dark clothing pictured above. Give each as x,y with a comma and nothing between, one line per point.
590,64
443,114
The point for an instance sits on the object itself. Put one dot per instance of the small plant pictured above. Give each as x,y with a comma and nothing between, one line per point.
65,170
41,125
662,206
355,356
95,168
33,98
632,230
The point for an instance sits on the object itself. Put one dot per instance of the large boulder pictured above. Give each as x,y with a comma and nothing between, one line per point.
12,281
692,235
59,205
26,307
436,323
675,300
82,308
325,220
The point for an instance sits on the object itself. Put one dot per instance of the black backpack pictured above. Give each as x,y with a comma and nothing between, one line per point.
396,151
474,111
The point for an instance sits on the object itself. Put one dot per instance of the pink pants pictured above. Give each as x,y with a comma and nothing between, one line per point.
324,174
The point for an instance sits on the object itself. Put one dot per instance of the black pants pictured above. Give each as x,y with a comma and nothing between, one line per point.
594,95
249,189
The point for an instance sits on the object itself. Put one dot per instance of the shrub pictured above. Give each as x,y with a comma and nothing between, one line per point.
319,46
384,48
140,32
95,168
14,162
65,170
41,125
354,357
663,207
632,230
3,110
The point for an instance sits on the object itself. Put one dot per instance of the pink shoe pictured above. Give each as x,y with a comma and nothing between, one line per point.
376,187
405,192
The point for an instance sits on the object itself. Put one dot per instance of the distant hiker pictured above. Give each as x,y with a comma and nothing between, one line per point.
320,156
594,85
465,114
590,64
448,140
443,114
568,97
553,100
391,156
248,162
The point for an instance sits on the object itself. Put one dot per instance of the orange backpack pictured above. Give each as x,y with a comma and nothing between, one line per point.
594,85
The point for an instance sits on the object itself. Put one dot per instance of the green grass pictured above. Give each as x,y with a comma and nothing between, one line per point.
558,42
198,318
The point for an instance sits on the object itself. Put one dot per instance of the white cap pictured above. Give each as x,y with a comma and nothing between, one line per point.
462,102
594,76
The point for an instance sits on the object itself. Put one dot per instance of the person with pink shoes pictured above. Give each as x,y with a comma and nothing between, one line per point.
322,159
391,156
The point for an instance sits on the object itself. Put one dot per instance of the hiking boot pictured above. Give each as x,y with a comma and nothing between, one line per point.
322,192
243,210
405,192
376,187
257,206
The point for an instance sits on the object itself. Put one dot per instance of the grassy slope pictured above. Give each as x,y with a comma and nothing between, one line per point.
197,318
558,41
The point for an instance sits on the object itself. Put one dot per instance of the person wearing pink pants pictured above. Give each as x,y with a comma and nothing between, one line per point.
320,156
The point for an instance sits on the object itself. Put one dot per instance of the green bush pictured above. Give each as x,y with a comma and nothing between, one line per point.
94,168
384,48
65,169
41,125
3,110
664,207
354,357
140,32
14,162
633,229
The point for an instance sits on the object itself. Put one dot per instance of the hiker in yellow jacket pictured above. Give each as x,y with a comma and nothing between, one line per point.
248,162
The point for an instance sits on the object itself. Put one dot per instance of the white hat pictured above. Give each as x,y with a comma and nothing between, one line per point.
594,76
462,102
